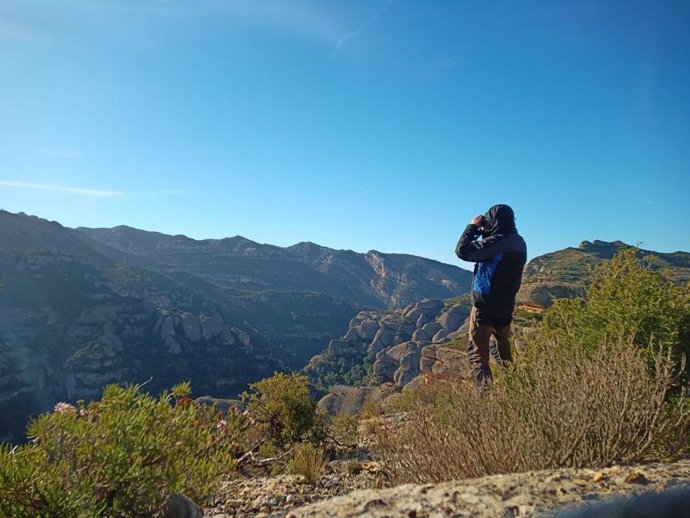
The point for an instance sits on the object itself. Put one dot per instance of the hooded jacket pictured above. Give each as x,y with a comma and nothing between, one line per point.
500,257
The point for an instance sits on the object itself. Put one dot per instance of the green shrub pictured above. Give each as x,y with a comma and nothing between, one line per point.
626,300
282,408
121,456
344,431
309,461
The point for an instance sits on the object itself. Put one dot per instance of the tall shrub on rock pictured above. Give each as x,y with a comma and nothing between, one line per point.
281,407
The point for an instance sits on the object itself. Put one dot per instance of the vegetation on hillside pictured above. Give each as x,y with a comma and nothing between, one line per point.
568,272
601,384
127,453
120,456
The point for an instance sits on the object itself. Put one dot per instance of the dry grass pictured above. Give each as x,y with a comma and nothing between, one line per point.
558,408
370,409
308,461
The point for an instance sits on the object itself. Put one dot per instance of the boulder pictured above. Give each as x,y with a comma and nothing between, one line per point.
428,358
384,338
350,400
352,335
420,336
542,294
440,336
242,336
413,314
167,328
179,506
432,328
423,319
398,352
453,317
385,367
431,305
210,326
191,327
404,375
414,383
367,330
451,364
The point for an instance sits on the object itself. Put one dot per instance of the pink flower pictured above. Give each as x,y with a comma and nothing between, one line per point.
64,407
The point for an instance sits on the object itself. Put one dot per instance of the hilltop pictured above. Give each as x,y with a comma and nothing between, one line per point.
566,273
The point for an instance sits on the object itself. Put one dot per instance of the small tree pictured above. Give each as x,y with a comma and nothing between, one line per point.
282,407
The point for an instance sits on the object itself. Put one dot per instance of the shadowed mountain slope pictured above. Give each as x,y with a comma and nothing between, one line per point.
374,279
73,320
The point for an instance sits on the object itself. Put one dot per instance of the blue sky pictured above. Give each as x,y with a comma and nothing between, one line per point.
365,125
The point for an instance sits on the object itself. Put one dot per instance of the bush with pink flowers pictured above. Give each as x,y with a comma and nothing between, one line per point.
120,456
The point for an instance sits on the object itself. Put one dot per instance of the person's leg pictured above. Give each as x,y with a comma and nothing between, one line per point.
502,351
478,348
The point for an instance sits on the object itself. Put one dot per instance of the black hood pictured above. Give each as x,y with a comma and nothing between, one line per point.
501,220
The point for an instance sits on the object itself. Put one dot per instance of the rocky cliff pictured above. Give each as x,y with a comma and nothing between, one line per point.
384,351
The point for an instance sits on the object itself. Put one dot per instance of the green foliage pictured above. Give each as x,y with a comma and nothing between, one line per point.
121,456
352,367
309,461
344,430
282,407
626,300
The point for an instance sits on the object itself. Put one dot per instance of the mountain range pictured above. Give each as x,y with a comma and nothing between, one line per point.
80,308
373,279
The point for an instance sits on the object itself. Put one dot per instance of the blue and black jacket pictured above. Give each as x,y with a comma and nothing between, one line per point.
500,257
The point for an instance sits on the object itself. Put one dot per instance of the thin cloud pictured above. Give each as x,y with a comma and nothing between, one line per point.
58,152
642,200
102,193
340,43
166,192
59,188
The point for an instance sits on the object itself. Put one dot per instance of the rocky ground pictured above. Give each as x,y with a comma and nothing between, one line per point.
352,490
279,495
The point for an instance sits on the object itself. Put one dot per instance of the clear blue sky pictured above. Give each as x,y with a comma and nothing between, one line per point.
365,125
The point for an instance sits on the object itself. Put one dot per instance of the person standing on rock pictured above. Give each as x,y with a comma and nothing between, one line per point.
500,256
